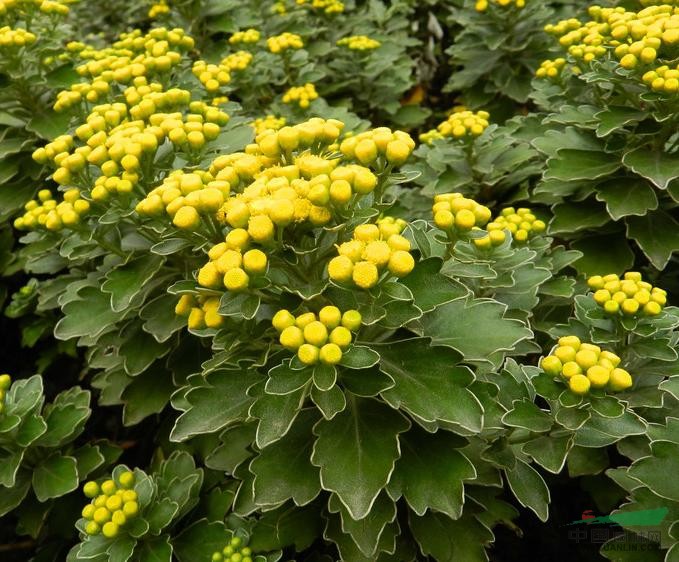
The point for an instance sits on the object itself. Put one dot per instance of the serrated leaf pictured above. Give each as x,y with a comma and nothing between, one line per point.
549,452
54,477
525,414
283,470
529,488
213,407
627,196
126,281
430,288
429,384
444,539
654,470
430,473
657,234
87,315
573,164
655,165
356,451
275,414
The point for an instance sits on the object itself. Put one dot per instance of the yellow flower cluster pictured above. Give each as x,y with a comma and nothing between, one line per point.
454,213
379,146
283,42
247,36
272,122
233,552
482,5
363,259
359,43
185,196
22,7
113,505
317,338
237,61
551,68
202,312
491,239
230,265
159,9
521,222
134,55
5,383
327,6
211,76
586,366
461,123
301,95
15,37
629,296
644,39
45,212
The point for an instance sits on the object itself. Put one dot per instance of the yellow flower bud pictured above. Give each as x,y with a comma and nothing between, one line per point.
330,354
292,338
579,384
308,354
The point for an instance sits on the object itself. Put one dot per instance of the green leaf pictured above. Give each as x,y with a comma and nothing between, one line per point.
89,458
286,526
155,550
429,384
284,380
359,357
603,254
12,496
65,417
49,124
529,488
657,234
627,196
458,324
325,376
140,350
549,452
616,117
213,407
444,539
10,461
30,430
655,470
573,217
572,164
160,514
199,541
275,413
160,319
24,396
656,166
283,470
55,477
367,532
88,315
330,402
126,281
121,549
430,473
430,288
356,451
147,394
233,450
528,416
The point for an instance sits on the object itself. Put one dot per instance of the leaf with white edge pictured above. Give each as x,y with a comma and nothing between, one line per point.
233,450
65,417
30,430
13,495
573,217
126,281
156,550
283,470
627,196
525,414
549,452
160,514
10,461
657,234
283,379
444,539
359,357
431,288
573,164
616,117
213,407
656,166
199,541
529,488
121,549
356,452
23,396
429,383
88,315
654,470
275,413
366,533
325,376
459,324
330,402
431,472
347,547
54,477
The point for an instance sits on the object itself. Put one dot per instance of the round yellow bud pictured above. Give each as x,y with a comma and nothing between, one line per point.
292,338
236,279
570,341
330,354
341,337
308,354
586,358
283,319
579,384
352,320
598,376
330,316
365,274
619,380
340,268
570,369
186,218
551,365
315,333
254,262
